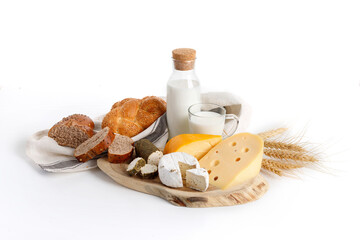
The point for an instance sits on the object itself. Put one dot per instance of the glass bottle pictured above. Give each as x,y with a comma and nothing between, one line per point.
183,90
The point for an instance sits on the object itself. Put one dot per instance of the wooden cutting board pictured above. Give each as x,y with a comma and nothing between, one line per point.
186,197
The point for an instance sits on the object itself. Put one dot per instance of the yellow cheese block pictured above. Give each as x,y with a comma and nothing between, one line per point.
235,160
196,145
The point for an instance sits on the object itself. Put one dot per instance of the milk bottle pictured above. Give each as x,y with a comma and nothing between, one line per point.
183,90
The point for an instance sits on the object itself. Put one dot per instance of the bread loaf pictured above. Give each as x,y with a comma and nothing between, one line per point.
73,130
131,116
121,149
94,145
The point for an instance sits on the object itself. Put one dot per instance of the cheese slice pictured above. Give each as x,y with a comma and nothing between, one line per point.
235,160
196,145
197,179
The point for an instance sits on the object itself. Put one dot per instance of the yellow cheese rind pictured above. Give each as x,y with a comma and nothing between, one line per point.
234,161
196,145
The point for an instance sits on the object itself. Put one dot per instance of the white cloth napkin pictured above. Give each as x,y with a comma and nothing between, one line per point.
55,158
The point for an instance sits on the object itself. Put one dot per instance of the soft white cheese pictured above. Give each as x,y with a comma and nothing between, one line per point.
186,161
172,168
148,168
155,157
133,163
169,171
197,179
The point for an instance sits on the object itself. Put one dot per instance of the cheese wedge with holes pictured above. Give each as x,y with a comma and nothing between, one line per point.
196,145
234,161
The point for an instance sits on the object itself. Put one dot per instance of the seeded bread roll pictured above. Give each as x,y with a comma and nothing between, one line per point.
94,145
131,116
73,130
121,149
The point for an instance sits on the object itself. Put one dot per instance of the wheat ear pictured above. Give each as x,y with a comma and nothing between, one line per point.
282,165
289,155
265,165
284,146
272,133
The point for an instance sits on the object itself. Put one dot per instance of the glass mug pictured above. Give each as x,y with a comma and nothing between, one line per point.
209,118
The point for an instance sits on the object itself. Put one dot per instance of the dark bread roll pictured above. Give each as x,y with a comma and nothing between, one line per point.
73,130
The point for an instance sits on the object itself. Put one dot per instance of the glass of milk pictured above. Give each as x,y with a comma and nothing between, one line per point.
209,118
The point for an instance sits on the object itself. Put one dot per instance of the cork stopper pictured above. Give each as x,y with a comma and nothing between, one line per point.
184,58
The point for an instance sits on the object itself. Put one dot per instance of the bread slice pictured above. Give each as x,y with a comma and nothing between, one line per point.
121,149
73,130
94,145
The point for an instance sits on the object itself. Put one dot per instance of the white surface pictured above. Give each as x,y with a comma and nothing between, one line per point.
296,63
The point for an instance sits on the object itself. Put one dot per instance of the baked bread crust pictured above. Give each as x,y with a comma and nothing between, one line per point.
120,142
113,158
102,145
73,130
131,116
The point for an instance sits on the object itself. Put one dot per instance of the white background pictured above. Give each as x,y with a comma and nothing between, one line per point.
295,62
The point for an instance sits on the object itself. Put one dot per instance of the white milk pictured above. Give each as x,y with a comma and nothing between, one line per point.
206,122
180,96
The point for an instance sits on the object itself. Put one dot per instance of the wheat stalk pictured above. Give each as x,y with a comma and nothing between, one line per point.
282,165
285,154
289,155
284,146
272,133
267,166
277,166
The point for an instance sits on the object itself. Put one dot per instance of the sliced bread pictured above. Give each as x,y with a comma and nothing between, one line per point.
94,145
73,130
121,149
